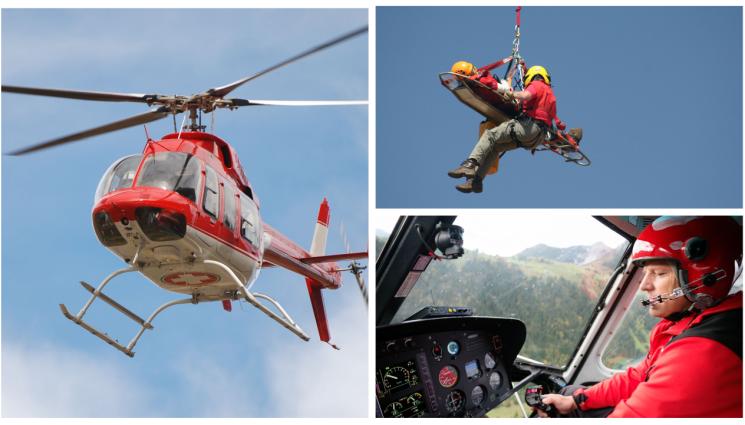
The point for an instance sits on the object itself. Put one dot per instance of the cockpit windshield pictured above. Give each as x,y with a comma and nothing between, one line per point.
120,175
548,271
176,171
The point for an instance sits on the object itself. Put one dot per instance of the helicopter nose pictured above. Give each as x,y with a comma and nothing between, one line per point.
161,224
160,218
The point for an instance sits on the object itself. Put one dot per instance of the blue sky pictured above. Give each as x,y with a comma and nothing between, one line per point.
199,360
658,91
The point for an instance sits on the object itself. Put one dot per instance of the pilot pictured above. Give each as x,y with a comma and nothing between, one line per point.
694,364
526,131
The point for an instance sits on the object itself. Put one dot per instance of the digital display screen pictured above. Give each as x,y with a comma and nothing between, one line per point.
472,369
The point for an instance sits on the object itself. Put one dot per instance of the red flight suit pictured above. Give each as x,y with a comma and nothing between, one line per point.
690,377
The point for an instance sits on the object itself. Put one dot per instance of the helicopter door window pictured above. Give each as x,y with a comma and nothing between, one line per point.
229,213
249,229
211,197
175,171
120,175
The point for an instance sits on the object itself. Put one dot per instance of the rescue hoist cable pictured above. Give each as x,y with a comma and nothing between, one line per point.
515,68
514,57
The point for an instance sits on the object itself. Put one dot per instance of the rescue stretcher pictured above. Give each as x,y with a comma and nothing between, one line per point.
497,108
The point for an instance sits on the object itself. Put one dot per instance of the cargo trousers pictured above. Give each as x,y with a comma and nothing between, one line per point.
500,139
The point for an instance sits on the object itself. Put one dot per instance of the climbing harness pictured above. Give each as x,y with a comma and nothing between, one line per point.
528,144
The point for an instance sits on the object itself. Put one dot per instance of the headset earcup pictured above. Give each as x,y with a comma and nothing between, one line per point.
696,248
703,301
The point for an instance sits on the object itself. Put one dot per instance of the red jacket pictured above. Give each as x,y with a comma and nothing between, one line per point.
691,377
486,79
542,105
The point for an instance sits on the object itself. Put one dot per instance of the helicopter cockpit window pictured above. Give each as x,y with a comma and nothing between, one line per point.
120,175
548,272
174,171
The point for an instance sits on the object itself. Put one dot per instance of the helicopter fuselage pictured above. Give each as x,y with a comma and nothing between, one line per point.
186,200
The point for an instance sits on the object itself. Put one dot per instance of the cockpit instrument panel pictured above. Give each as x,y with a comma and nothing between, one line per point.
455,366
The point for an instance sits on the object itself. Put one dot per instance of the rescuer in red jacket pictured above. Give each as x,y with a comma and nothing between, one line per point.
694,364
526,131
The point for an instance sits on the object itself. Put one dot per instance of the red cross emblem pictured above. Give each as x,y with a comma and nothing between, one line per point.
190,278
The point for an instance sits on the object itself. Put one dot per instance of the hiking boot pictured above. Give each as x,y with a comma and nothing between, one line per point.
576,134
466,169
473,184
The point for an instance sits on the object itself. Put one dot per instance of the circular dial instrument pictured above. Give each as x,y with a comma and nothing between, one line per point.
495,380
489,361
415,400
454,401
477,395
448,376
395,377
453,348
393,410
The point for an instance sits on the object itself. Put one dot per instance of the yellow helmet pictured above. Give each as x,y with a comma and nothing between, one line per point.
536,70
463,68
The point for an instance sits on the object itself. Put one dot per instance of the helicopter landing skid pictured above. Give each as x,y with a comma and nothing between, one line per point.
97,293
253,298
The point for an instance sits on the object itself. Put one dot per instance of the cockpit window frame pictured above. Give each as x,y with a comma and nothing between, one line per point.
190,165
105,184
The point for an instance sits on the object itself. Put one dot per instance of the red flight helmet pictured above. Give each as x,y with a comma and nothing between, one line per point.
704,250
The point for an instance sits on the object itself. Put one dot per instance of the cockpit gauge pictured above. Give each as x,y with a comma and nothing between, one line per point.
477,395
495,380
410,406
393,410
454,401
395,377
453,348
489,361
448,376
415,400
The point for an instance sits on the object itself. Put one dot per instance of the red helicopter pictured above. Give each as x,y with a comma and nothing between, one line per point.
184,214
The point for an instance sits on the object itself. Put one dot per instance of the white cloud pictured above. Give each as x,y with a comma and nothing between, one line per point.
210,389
53,381
314,380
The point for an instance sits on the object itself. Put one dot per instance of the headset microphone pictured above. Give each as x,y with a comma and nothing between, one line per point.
659,299
705,280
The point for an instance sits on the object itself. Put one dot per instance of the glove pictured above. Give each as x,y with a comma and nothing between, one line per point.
504,88
560,125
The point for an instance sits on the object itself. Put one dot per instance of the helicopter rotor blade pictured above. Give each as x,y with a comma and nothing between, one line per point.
147,117
80,95
224,90
244,102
